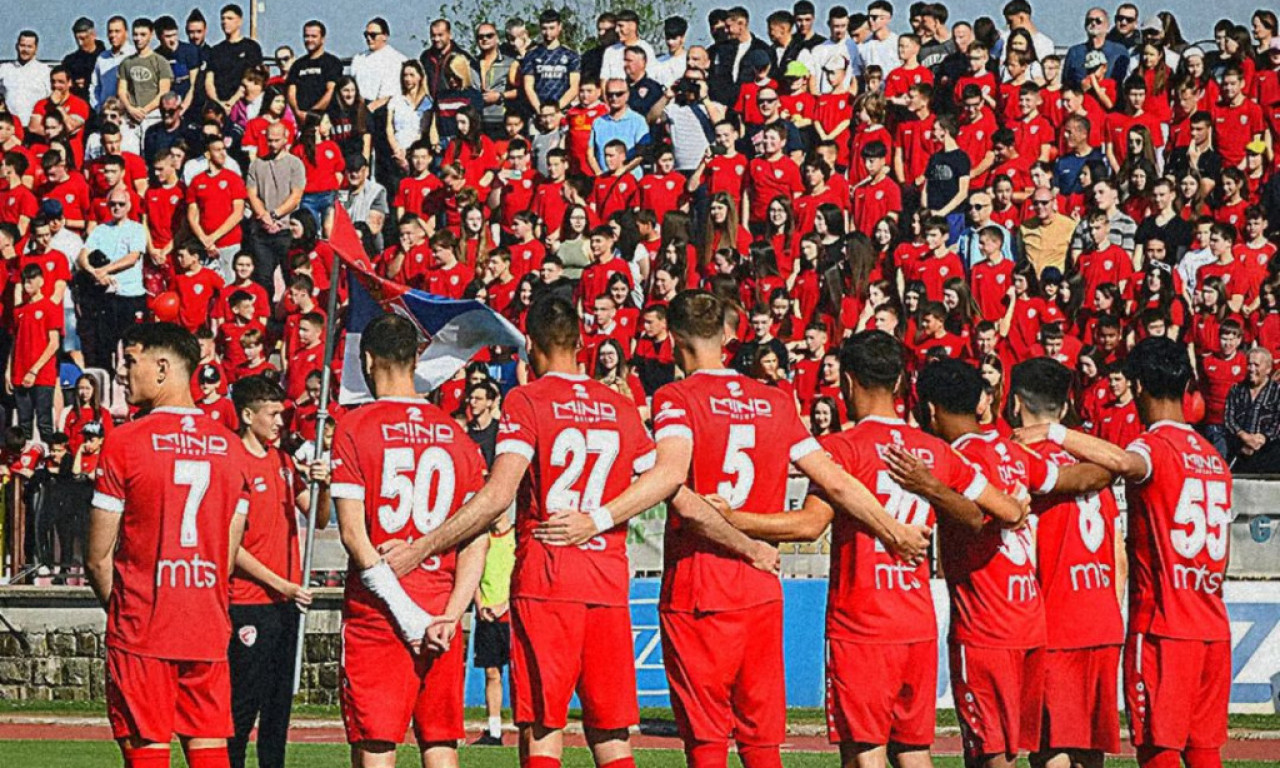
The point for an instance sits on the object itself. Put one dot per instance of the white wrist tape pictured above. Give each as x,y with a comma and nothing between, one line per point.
410,618
603,519
1057,434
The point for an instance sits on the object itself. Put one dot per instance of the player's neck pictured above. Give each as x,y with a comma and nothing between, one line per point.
952,427
1030,419
566,364
174,397
1154,411
873,404
253,444
393,382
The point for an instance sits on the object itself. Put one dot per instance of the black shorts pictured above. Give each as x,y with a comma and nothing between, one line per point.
492,644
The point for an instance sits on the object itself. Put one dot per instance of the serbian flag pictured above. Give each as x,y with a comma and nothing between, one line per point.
454,329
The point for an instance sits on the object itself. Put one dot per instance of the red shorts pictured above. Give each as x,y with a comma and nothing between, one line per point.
385,684
998,694
152,699
558,648
1177,691
1080,702
882,693
725,671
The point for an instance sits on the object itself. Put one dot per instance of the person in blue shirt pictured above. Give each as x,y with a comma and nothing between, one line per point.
549,71
1066,172
621,123
1096,25
183,58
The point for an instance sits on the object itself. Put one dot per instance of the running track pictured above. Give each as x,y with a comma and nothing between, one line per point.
1248,745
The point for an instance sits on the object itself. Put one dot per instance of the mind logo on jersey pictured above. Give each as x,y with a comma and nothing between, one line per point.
585,412
415,432
741,409
188,443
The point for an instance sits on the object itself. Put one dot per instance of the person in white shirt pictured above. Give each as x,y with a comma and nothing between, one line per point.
671,65
628,28
1017,15
881,47
25,81
839,49
377,70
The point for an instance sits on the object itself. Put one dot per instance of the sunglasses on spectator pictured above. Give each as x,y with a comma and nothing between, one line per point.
616,94
1041,202
1126,19
486,35
1094,21
767,99
372,35
117,204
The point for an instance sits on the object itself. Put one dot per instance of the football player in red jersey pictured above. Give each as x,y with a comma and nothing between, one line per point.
1080,559
726,434
882,635
401,660
565,441
266,585
1177,660
163,531
997,633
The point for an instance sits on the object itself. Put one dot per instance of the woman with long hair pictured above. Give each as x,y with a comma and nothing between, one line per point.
612,370
1194,71
1021,322
1210,311
723,230
885,239
1231,199
807,289
472,149
880,293
274,110
1091,389
352,123
766,368
476,241
1020,42
325,167
1136,182
1195,202
991,404
962,311
1264,324
628,313
86,408
456,92
782,311
1156,292
1265,28
573,246
1238,50
824,417
408,112
1155,72
780,231
914,297
668,281
828,223
1108,301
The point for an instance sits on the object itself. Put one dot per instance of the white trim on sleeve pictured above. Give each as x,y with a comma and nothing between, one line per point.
673,431
518,447
350,491
804,448
108,503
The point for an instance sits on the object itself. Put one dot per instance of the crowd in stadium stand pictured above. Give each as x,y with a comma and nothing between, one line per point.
965,185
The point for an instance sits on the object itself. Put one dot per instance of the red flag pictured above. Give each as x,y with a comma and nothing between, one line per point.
346,241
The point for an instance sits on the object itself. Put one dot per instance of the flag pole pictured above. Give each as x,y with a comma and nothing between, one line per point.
313,487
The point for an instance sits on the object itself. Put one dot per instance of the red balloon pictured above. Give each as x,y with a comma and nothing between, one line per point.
1193,407
165,307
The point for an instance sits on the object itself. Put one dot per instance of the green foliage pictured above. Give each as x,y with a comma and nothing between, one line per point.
578,17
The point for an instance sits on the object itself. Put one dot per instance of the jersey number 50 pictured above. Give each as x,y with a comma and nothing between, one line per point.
411,494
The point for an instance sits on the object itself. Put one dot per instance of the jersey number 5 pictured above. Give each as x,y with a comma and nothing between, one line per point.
412,494
737,464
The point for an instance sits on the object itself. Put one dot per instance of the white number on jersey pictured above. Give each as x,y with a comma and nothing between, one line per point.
906,507
1017,545
412,495
737,463
194,475
1093,529
570,451
1202,506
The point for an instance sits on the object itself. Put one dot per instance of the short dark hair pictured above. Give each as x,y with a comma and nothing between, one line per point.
232,8
874,358
252,391
1160,366
952,386
169,337
552,324
1042,384
391,337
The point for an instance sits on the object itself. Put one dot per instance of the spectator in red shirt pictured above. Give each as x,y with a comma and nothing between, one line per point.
604,263
253,350
197,286
877,196
322,158
771,174
308,357
211,401
1237,121
1118,420
616,189
215,206
448,277
32,370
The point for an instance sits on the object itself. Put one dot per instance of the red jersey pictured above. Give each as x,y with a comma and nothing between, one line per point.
526,257
661,194
54,266
1234,128
1118,424
17,202
1179,520
271,533
726,174
325,172
991,574
829,112
197,294
221,411
32,323
614,192
595,279
549,204
935,271
577,141
164,212
301,364
769,179
874,597
584,443
450,282
1075,552
412,269
744,435
1218,375
424,467
873,201
915,138
517,195
1109,265
74,196
214,197
990,286
168,595
413,192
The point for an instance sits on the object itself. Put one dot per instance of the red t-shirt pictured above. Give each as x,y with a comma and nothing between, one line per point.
165,213
74,196
526,257
158,473
1179,536
53,266
584,443
935,271
32,323
915,138
1235,127
595,279
413,192
301,364
769,179
874,200
222,411
549,204
726,174
1076,556
661,194
412,467
612,193
874,597
322,175
990,287
197,294
991,574
271,534
744,436
577,140
1218,375
450,282
1109,265
18,202
213,197
1118,424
